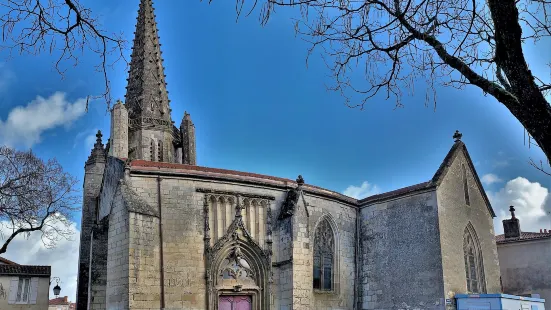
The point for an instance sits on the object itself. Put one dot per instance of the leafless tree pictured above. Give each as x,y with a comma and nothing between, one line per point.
63,28
448,42
34,196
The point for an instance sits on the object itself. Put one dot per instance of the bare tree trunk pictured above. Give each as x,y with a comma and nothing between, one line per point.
530,108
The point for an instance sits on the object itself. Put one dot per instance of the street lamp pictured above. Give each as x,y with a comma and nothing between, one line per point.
57,289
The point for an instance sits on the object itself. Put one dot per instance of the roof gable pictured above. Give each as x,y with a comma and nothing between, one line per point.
458,148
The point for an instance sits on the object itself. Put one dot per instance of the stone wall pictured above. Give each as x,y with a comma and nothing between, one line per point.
183,246
117,294
343,217
98,275
144,269
92,184
526,268
282,262
454,216
400,254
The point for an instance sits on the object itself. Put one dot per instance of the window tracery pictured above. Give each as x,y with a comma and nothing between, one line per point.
152,150
324,256
160,150
474,268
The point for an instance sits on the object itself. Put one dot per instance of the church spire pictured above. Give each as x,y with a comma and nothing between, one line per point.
146,93
151,132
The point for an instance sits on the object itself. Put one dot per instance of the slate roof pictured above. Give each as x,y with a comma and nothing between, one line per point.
25,270
398,192
524,236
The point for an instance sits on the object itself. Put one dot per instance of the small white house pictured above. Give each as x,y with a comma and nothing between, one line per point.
525,260
23,287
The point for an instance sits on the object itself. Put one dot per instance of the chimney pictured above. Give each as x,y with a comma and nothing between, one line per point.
511,227
541,230
545,230
65,299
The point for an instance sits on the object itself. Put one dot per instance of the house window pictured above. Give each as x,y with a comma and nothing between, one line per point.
474,267
465,185
324,256
23,290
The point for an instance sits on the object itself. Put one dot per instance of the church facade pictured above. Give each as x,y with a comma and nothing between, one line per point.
160,232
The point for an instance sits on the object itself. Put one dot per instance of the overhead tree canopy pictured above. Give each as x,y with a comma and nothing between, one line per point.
35,196
448,42
393,42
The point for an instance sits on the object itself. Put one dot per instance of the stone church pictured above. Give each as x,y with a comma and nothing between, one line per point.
160,232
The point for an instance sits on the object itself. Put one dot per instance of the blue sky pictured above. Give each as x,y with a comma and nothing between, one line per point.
258,108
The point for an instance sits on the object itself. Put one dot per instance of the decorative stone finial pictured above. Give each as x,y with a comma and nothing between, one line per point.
300,180
457,136
98,152
98,139
512,210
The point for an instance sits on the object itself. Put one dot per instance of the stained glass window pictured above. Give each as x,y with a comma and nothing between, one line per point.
324,251
474,268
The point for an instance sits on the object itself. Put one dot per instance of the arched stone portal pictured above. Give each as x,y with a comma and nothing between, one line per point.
238,269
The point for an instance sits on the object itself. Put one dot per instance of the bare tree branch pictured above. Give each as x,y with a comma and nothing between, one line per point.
457,43
35,196
61,27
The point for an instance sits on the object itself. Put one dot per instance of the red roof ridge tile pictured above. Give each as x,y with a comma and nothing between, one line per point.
7,261
524,236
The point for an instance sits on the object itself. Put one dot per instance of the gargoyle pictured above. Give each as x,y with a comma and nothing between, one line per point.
289,205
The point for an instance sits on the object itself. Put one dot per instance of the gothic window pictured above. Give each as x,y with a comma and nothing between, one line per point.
160,150
474,268
152,150
324,256
465,185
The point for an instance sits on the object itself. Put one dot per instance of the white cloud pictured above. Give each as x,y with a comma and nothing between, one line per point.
7,77
501,163
25,124
490,178
89,138
362,191
63,258
531,201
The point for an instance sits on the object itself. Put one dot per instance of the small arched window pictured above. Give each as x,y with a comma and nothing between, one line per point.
152,150
465,185
474,267
160,150
324,256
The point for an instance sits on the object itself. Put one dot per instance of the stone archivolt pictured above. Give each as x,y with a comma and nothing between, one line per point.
236,262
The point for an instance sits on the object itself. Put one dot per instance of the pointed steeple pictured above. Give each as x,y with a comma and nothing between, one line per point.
146,93
150,128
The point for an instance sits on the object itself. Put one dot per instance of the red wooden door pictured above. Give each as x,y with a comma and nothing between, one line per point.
234,303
